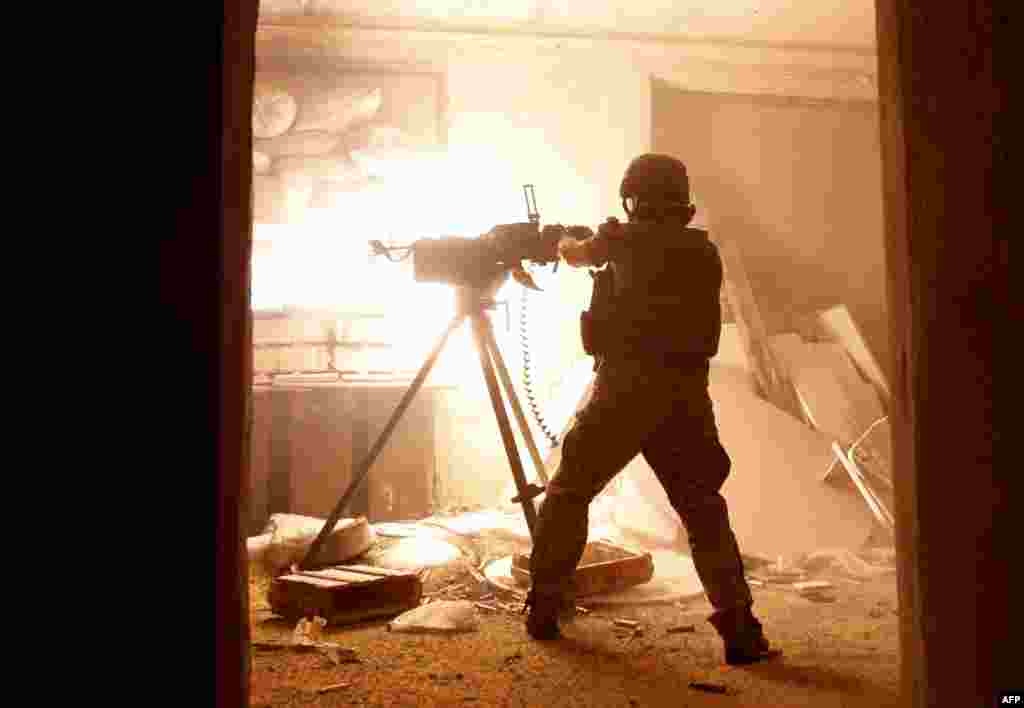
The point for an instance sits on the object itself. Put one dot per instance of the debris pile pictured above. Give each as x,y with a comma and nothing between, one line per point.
443,616
287,537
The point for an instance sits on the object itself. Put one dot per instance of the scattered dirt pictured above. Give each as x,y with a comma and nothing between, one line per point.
838,653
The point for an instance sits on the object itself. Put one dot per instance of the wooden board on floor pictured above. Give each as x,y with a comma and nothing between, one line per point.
604,568
345,594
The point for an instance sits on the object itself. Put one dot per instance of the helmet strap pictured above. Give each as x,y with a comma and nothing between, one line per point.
629,205
653,211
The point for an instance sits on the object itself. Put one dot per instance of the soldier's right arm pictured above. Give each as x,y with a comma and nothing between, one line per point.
606,244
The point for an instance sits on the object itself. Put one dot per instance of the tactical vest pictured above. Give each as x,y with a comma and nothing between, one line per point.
657,299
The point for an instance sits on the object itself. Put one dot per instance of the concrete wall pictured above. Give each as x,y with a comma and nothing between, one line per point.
797,184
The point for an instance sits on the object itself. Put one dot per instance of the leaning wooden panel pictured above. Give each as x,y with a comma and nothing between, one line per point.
838,323
770,376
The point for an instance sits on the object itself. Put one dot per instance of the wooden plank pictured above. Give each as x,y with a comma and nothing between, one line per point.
874,503
372,570
873,451
839,325
791,353
834,398
310,580
604,568
340,601
772,380
342,576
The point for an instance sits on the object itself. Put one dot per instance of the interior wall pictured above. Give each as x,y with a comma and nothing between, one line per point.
797,183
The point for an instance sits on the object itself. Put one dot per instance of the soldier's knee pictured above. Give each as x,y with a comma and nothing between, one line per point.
558,494
573,484
719,465
572,450
705,517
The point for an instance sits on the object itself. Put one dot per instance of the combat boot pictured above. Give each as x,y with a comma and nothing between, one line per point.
743,636
545,611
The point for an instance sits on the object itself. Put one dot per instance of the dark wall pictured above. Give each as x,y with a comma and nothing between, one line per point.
197,447
797,184
947,191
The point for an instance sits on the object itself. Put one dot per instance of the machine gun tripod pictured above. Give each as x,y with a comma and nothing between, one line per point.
473,302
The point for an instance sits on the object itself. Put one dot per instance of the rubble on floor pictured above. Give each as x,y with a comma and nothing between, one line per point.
674,579
417,563
418,552
444,616
870,563
802,525
507,524
784,503
287,537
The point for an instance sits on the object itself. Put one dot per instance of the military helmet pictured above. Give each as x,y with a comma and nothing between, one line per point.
656,178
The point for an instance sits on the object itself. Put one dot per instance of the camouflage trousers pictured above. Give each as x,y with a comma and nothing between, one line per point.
665,414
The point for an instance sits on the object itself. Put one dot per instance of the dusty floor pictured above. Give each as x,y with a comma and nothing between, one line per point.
841,653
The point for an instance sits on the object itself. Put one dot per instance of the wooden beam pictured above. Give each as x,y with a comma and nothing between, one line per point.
830,73
337,13
771,377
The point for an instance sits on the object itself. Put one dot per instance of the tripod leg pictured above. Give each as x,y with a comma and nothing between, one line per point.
480,328
364,468
513,399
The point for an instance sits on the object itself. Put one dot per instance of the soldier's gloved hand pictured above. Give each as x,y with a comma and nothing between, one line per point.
611,229
550,235
579,233
574,252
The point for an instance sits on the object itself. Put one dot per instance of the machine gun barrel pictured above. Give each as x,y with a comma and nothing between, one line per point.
505,248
